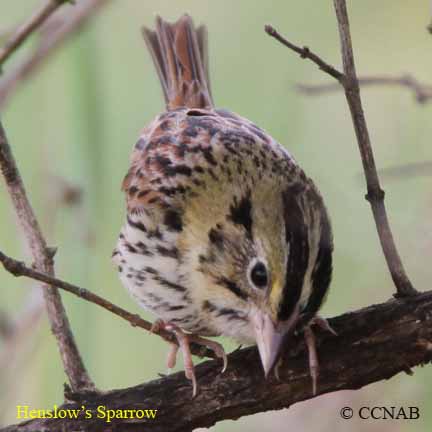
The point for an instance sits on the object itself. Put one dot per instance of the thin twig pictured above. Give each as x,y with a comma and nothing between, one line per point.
43,261
305,53
18,268
26,29
50,39
421,92
24,324
375,195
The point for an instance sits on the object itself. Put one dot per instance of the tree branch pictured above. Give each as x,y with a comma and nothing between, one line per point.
26,29
421,92
409,170
305,53
50,39
375,194
374,344
43,261
20,341
18,268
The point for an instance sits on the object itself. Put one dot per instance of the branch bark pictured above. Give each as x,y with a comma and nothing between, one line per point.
374,344
50,39
26,29
375,194
305,53
43,261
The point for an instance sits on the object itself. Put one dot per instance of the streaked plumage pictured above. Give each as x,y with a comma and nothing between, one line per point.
224,231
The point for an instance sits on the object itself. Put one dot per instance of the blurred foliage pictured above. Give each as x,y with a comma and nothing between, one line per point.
80,116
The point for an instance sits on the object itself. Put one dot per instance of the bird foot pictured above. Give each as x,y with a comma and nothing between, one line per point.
214,346
184,340
323,324
311,346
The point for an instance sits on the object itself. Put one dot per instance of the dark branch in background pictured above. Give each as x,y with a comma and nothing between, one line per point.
374,344
52,35
25,30
415,169
20,343
43,261
6,326
375,195
421,92
18,268
21,328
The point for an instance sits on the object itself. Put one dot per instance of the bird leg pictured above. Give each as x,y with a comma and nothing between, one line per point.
311,346
312,351
172,356
184,340
313,357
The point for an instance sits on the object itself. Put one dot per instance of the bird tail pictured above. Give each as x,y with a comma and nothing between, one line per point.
179,52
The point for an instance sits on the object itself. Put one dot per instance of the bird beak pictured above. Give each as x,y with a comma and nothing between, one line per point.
270,336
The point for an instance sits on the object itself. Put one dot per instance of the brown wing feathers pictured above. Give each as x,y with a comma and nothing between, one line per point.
179,53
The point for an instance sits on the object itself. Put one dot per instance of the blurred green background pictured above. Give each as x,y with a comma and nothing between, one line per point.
73,126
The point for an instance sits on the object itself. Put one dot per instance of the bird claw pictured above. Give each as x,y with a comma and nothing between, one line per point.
277,369
214,346
323,324
311,346
184,340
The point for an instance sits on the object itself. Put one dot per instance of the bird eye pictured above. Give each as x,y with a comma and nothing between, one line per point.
258,275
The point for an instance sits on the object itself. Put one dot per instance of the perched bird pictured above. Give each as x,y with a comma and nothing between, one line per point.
225,234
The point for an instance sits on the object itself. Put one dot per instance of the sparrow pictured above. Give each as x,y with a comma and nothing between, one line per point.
225,235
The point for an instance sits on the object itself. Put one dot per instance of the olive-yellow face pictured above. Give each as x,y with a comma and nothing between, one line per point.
258,258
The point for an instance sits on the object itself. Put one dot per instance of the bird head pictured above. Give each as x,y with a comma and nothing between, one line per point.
263,262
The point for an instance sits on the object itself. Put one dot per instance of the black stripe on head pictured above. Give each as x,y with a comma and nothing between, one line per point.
322,272
241,212
233,287
297,241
